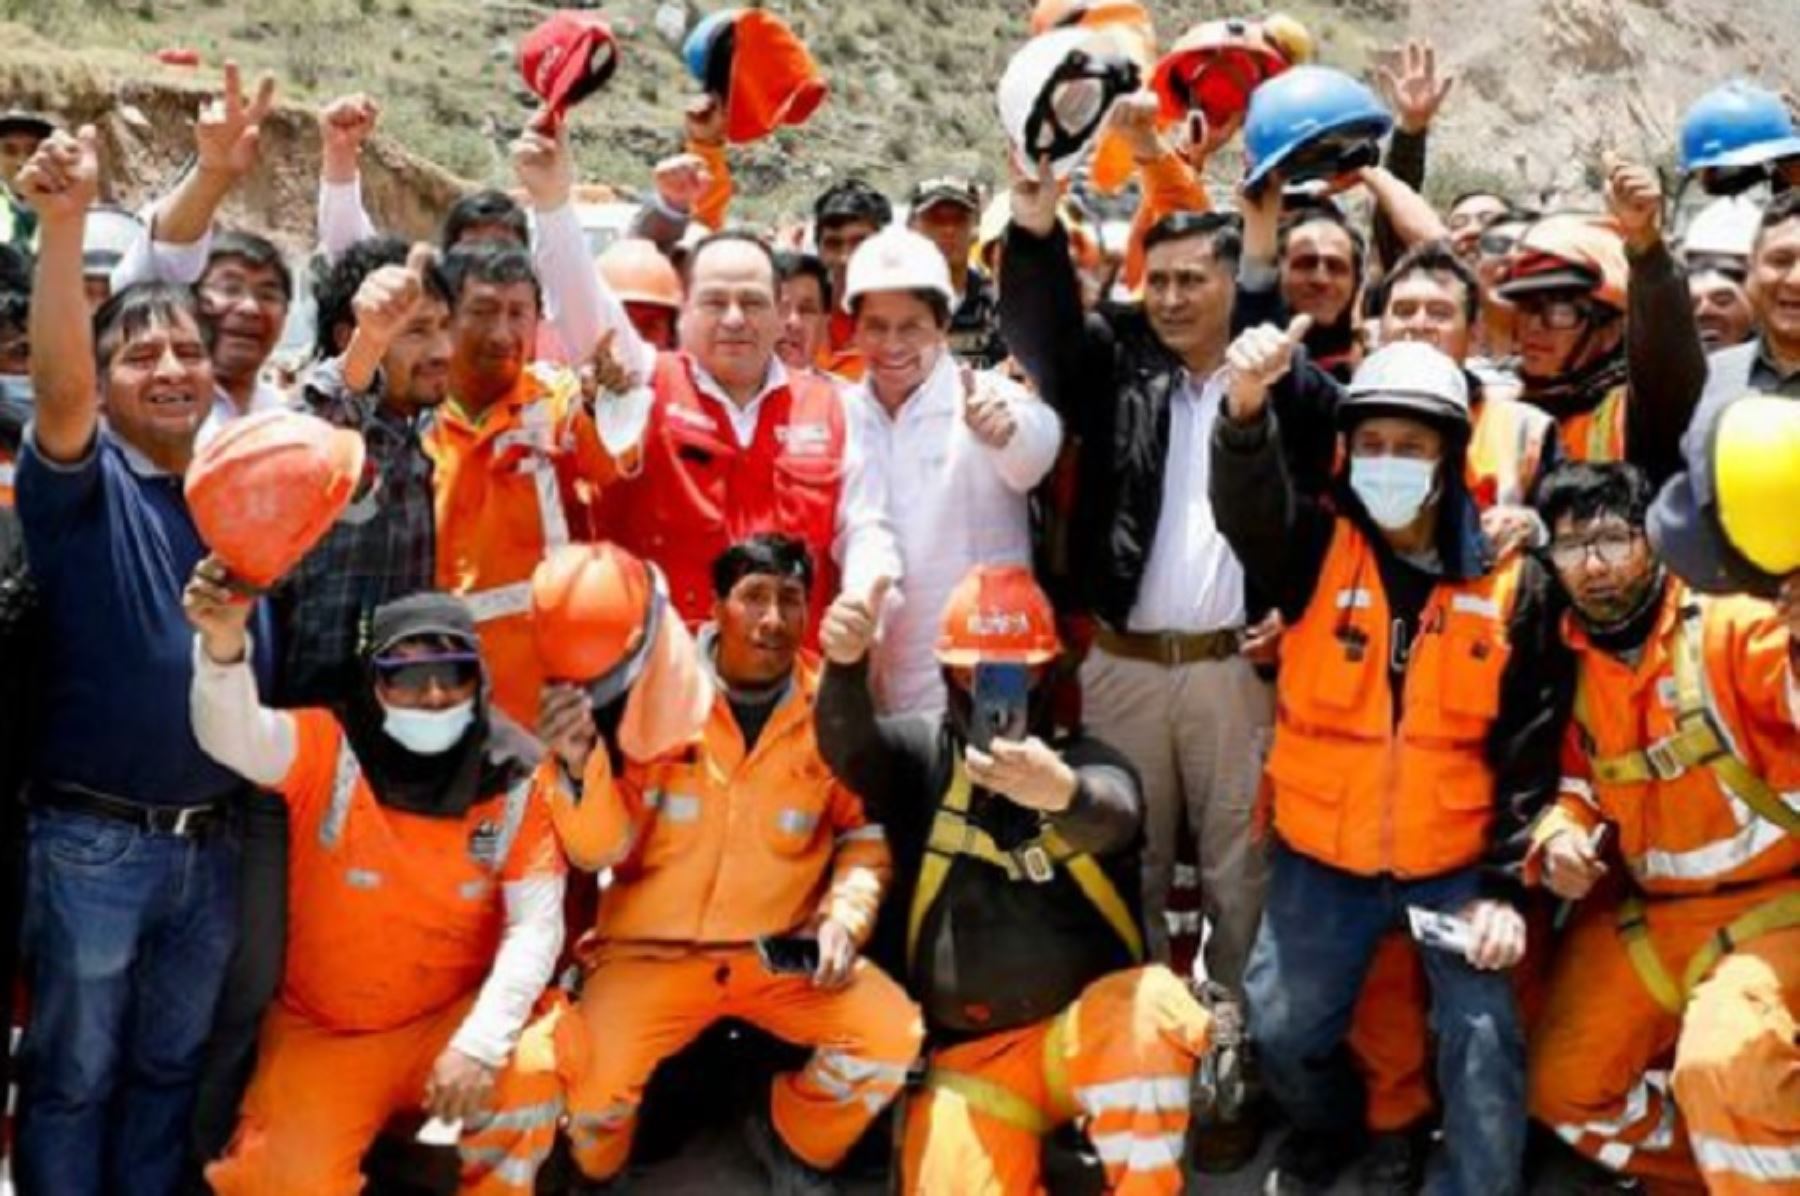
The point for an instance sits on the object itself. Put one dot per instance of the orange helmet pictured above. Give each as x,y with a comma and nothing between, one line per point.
595,613
268,487
997,615
1054,14
1215,65
1567,252
637,272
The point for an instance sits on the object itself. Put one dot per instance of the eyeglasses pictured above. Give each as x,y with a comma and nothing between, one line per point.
1611,548
415,674
1558,315
1498,243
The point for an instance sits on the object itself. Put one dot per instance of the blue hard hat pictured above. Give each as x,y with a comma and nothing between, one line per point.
1311,108
696,51
1736,124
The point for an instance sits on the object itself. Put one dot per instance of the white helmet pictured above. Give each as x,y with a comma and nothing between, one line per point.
1057,91
1724,228
897,259
109,232
1408,376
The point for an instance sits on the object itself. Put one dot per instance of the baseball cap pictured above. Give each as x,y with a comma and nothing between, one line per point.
567,58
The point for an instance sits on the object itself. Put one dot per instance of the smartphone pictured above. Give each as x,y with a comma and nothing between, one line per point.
788,954
1601,841
1002,694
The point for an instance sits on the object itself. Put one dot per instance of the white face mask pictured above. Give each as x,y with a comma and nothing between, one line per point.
1393,489
428,732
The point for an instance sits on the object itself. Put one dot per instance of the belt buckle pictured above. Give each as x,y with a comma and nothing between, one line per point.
1036,863
1168,645
181,829
1663,762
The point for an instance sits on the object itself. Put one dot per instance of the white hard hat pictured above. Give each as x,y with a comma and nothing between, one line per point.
1723,228
1057,91
109,232
897,259
1408,376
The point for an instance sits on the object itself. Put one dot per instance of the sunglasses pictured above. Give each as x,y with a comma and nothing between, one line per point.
1498,244
415,674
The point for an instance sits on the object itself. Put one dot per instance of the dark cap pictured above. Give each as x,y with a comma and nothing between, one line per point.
429,613
17,120
853,199
946,189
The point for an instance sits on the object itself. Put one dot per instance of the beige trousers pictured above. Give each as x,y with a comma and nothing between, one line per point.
1198,735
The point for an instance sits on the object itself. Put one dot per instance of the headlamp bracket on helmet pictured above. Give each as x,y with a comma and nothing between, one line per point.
611,685
1045,133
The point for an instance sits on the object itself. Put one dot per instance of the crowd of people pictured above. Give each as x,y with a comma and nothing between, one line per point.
860,631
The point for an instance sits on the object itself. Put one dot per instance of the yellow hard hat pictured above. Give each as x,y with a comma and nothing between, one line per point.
1756,464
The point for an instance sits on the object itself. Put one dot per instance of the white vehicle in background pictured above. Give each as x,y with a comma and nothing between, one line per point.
604,217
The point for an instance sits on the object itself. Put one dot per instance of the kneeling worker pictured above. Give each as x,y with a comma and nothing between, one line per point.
1024,938
426,911
1685,752
730,856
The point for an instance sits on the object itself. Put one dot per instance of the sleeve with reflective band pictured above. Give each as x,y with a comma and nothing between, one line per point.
698,492
860,869
1691,751
525,478
1353,789
392,915
725,846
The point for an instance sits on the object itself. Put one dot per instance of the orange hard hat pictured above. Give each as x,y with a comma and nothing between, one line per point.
595,612
637,272
1215,65
1055,14
268,487
759,67
1569,252
997,615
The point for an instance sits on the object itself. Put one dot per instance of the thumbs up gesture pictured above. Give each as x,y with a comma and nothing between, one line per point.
849,626
1258,359
389,296
1635,199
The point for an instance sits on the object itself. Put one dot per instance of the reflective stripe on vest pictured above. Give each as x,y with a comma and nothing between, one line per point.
343,793
953,835
1782,913
1508,447
1008,1107
539,440
1702,740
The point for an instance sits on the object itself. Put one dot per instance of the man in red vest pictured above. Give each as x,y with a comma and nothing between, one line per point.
732,444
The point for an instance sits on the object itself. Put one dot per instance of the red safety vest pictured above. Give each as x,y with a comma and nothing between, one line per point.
697,493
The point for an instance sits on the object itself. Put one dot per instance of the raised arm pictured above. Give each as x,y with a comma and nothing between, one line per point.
227,135
60,182
345,126
230,721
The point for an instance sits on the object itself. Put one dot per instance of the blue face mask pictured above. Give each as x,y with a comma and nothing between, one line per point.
1393,489
428,732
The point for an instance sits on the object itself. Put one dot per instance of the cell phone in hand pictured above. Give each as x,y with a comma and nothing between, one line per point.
788,954
1002,697
1446,932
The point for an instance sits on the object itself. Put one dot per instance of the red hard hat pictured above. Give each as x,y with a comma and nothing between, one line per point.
268,487
997,615
595,611
566,58
1215,65
1569,251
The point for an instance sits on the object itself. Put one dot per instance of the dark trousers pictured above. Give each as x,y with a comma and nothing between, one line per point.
1319,931
127,937
252,980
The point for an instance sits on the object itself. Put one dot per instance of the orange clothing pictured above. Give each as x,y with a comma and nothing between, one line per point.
395,915
1170,185
1599,434
1353,789
1728,1110
1121,1058
321,1097
714,202
8,464
724,845
1506,451
1688,833
641,1005
511,483
839,355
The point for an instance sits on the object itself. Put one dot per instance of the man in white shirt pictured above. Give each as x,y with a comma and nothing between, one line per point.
1168,680
961,452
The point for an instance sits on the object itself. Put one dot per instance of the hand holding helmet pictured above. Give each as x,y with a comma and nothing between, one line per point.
217,612
1034,199
1635,199
566,726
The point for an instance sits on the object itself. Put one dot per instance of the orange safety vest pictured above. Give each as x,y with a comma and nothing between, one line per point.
520,480
839,355
697,492
1597,434
394,915
1689,751
1353,789
1506,450
721,846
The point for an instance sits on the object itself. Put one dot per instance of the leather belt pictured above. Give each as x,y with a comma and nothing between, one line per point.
1170,648
186,822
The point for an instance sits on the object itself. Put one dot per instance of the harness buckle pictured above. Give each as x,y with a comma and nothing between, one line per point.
1664,759
1037,863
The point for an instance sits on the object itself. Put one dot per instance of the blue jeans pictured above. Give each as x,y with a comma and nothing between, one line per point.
127,936
1319,931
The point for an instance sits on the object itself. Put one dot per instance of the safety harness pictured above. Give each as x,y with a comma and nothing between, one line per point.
954,834
1696,743
537,436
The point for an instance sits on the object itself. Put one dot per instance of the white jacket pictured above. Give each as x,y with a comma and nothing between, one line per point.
954,503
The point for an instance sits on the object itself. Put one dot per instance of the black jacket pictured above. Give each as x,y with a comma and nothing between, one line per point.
1111,380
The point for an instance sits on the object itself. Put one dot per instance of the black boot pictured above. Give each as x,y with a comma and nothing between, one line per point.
1395,1164
1226,1122
1308,1164
789,1175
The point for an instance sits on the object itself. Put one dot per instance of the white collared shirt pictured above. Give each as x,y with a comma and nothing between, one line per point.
1192,580
225,409
743,418
955,504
